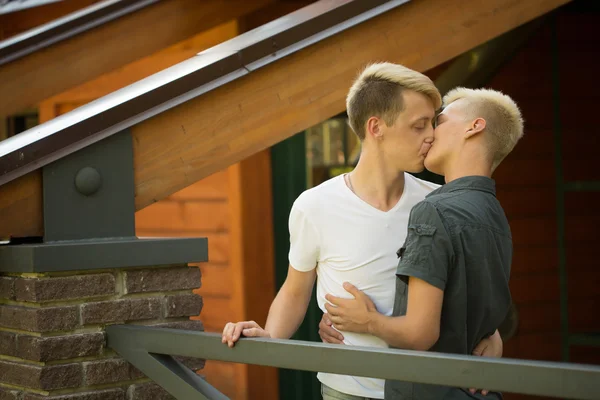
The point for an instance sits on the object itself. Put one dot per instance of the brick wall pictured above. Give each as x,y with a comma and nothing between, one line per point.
526,183
52,340
579,39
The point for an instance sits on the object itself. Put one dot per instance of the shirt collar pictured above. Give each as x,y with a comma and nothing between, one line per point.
482,183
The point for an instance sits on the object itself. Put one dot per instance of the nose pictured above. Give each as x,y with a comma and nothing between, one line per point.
425,148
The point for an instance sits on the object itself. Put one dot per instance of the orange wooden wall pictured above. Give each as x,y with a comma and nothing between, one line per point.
209,208
232,208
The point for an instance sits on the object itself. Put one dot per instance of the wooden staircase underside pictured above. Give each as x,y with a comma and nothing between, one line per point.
186,143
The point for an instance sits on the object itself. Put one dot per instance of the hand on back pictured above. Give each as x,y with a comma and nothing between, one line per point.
327,333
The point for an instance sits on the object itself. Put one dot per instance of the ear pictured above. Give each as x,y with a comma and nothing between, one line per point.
477,126
374,128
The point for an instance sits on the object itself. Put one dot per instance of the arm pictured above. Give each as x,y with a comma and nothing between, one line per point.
360,315
419,329
424,265
289,307
285,315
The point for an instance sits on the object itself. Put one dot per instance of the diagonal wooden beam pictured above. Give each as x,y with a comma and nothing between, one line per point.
139,69
195,139
74,61
202,136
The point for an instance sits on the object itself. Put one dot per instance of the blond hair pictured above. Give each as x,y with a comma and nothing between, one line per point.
376,92
504,123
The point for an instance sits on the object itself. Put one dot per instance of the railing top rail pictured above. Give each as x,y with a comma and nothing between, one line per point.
565,380
208,70
65,27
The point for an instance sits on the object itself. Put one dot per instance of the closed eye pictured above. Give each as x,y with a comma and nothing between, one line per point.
421,124
420,128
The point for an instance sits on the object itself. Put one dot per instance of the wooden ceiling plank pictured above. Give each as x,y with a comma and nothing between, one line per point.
198,138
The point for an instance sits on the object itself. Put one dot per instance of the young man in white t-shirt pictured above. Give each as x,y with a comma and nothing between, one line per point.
348,228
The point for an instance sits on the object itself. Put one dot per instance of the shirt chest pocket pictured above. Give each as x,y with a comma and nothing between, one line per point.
418,244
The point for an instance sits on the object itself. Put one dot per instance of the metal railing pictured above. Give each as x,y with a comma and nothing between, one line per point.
151,349
66,27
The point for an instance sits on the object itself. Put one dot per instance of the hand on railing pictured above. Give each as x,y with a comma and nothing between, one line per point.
233,331
327,333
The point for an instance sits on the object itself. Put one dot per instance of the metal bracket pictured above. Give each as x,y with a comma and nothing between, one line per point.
89,217
90,193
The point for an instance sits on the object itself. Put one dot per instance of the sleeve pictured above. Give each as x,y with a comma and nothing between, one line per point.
304,240
427,253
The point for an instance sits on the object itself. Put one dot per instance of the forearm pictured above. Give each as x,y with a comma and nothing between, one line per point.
400,332
391,330
286,314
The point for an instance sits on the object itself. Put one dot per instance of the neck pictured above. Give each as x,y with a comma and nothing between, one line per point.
468,164
376,182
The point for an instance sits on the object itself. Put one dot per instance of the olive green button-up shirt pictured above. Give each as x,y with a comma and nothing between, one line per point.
459,241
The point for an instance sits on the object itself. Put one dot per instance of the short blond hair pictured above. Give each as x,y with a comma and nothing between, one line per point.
504,123
377,92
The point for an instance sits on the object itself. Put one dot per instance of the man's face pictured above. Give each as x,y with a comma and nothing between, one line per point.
450,124
409,138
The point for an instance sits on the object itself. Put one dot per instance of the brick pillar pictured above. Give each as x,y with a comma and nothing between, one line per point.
52,341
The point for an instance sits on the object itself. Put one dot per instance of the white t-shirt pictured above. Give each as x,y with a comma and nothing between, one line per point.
349,240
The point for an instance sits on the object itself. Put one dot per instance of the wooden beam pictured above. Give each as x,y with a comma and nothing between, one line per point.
267,14
207,134
142,68
66,64
185,144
